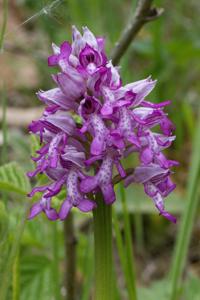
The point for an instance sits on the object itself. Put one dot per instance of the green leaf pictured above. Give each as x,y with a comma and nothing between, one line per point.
9,261
158,290
35,276
14,179
191,289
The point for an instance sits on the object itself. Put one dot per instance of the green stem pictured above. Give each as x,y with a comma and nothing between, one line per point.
129,246
103,250
4,156
188,219
142,15
16,279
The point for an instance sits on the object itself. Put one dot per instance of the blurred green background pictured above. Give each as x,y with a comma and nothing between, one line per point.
32,253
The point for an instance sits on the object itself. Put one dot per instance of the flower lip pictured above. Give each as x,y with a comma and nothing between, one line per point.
89,105
89,55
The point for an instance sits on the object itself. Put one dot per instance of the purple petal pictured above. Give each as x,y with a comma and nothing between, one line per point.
164,162
55,188
31,174
37,189
74,156
65,209
121,103
89,38
65,50
86,205
125,126
92,159
120,168
52,60
56,96
128,180
36,126
107,109
150,189
132,138
116,139
160,206
166,187
55,48
108,193
51,214
146,156
89,105
167,126
63,121
100,133
88,184
115,80
101,43
61,56
56,173
168,216
97,145
72,84
78,42
142,88
155,105
35,210
89,56
143,174
164,141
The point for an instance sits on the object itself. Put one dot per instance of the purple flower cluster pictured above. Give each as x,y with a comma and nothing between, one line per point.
90,123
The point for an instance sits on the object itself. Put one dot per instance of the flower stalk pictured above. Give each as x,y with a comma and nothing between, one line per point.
103,250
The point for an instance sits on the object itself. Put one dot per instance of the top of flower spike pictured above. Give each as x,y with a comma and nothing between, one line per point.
86,53
90,123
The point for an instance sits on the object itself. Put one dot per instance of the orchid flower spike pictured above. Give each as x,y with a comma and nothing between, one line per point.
90,124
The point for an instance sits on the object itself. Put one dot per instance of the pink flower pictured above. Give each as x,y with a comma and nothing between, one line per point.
90,123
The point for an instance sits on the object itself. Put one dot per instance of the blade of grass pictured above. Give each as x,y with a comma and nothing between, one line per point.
188,117
4,23
15,279
87,269
4,126
122,256
116,293
187,222
139,231
4,157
